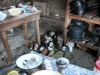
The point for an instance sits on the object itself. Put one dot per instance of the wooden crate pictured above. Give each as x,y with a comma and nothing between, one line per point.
43,6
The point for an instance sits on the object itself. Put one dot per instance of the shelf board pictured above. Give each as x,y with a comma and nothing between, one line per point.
83,44
95,19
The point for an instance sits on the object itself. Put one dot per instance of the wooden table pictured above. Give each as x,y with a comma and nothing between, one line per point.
12,22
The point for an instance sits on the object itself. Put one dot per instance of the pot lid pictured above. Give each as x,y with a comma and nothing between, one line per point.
76,28
29,61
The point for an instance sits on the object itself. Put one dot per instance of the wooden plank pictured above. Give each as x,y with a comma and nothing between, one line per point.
96,18
37,31
19,17
91,27
83,44
87,15
12,22
6,45
84,19
25,31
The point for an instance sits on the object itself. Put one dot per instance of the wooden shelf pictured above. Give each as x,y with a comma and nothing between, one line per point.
90,18
86,18
83,44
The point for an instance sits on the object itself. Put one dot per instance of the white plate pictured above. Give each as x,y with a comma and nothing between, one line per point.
46,72
28,57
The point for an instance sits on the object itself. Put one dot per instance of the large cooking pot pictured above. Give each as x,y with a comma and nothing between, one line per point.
77,22
79,7
76,32
74,4
84,1
83,24
78,10
93,37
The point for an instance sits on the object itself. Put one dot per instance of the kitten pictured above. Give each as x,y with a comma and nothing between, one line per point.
82,47
45,51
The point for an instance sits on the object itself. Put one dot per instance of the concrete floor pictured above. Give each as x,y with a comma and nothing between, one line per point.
17,44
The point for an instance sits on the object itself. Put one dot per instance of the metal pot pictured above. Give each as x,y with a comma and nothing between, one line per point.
74,4
83,24
76,32
93,37
78,10
79,7
77,22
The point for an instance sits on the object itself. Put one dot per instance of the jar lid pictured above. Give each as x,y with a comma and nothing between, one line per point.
98,64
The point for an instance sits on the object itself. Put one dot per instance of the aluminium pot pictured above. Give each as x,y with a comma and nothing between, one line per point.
76,32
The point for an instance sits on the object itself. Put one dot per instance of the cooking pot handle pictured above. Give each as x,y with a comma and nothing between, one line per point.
70,27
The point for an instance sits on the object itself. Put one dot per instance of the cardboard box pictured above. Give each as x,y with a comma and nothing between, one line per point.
43,6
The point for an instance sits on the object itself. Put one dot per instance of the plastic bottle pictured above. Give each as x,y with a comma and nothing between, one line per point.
96,70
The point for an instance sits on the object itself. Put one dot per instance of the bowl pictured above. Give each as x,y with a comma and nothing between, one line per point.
46,72
15,11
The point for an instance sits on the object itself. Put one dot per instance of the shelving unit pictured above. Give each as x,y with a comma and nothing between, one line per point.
83,44
93,19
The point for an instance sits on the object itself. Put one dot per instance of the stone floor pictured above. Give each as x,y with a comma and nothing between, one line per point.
18,48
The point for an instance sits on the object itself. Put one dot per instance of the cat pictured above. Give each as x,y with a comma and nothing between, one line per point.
82,47
45,51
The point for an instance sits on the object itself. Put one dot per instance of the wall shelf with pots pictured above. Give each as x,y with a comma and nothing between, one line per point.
87,18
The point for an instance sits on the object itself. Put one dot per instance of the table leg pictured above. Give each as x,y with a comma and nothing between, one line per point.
6,45
37,31
25,31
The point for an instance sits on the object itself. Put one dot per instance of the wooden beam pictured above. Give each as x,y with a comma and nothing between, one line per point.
95,21
66,21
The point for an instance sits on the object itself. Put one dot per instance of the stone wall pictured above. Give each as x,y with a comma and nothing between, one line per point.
57,24
58,7
7,3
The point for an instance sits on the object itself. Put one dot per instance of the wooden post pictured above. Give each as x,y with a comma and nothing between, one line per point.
7,47
66,22
25,31
37,31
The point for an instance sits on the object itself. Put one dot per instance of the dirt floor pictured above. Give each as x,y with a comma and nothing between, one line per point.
76,57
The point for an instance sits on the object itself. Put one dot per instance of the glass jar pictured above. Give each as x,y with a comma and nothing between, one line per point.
96,70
